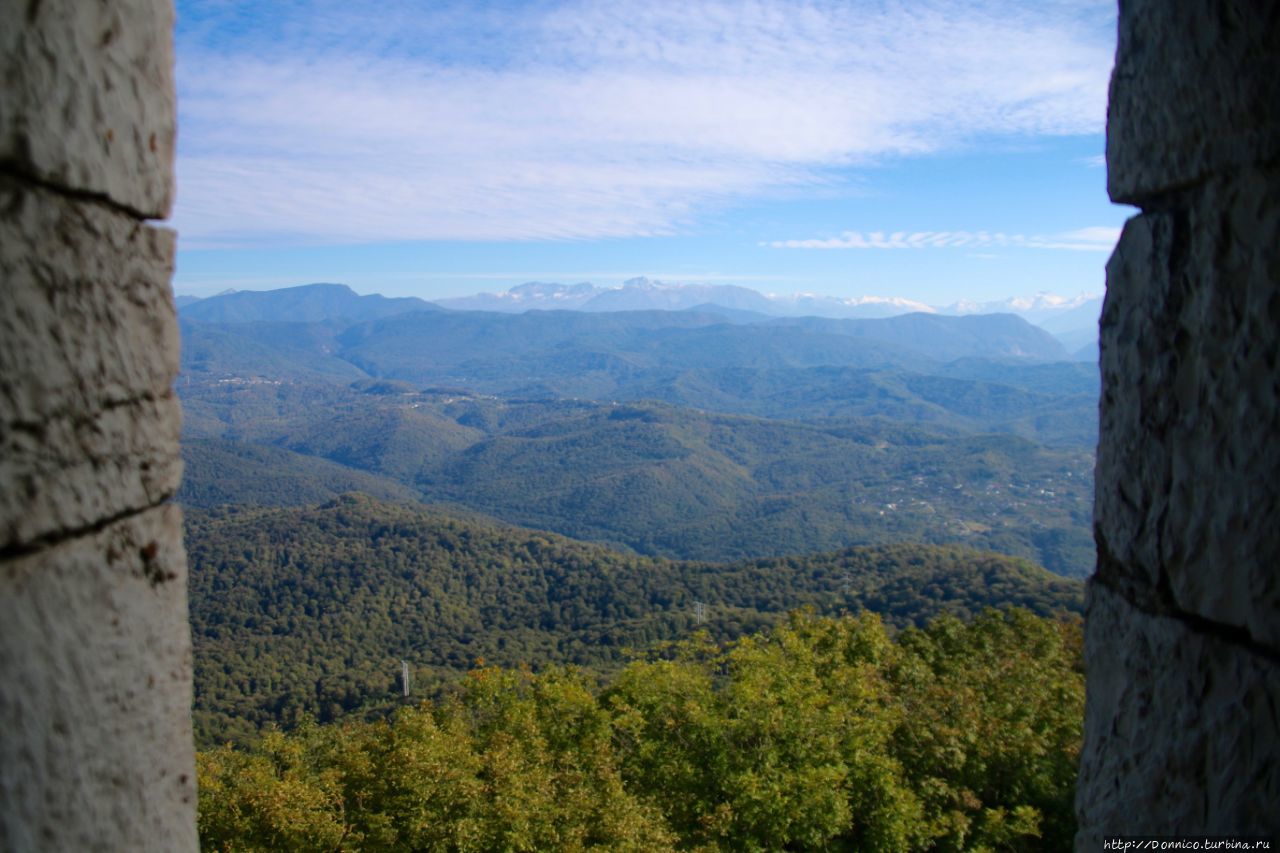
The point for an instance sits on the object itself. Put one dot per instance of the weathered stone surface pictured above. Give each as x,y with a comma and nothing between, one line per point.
88,352
96,752
1180,730
1182,635
90,287
87,97
95,652
1188,488
72,472
1194,91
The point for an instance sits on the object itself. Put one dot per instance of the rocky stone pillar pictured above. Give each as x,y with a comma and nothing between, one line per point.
95,654
1182,730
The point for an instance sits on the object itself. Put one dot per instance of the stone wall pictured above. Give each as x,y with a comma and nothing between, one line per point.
95,655
1182,731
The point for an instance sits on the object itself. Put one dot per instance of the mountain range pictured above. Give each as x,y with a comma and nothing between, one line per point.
302,304
987,373
1073,320
383,336
642,293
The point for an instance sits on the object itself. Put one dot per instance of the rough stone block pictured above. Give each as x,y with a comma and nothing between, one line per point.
1187,494
89,426
1194,91
87,97
72,472
1181,729
97,749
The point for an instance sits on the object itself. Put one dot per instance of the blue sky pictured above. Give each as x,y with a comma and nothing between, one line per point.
929,150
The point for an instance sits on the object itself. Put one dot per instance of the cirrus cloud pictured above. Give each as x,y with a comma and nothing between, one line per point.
1091,239
345,122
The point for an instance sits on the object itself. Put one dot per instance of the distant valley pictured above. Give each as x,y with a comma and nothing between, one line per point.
370,480
669,433
647,477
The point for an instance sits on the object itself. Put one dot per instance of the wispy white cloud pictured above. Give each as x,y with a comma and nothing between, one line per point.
1099,235
1092,239
340,122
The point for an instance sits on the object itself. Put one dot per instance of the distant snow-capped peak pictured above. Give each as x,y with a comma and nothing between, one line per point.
1042,302
534,293
850,306
642,282
644,293
891,301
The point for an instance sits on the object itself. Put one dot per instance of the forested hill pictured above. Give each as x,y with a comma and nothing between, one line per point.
303,304
657,479
311,608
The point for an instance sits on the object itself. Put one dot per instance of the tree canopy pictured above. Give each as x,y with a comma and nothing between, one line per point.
821,733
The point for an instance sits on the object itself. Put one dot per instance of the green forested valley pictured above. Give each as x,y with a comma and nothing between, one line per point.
309,611
648,477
